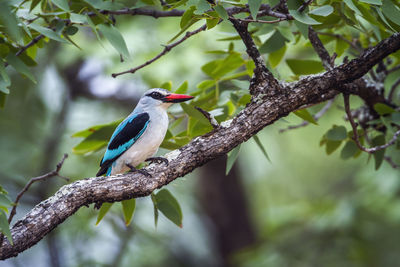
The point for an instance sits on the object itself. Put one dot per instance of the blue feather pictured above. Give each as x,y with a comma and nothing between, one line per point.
124,136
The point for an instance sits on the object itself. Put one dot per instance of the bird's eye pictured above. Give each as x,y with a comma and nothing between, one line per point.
156,95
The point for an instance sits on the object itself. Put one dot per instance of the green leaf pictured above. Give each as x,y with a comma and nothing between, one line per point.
20,66
274,43
71,30
187,16
3,98
169,145
47,32
303,18
254,6
391,11
5,227
373,2
341,46
349,150
105,207
63,4
353,7
77,18
383,109
275,58
379,155
303,28
322,11
337,133
331,146
396,118
155,209
167,85
183,88
169,206
115,38
221,11
260,145
34,3
212,22
192,112
128,208
9,20
97,138
5,201
231,158
304,66
305,115
202,6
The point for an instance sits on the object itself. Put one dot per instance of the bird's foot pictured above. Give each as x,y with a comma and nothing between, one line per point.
141,171
158,160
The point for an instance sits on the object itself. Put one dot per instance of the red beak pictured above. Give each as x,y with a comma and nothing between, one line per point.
176,98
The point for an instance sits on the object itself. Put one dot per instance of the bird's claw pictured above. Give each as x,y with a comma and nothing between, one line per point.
141,171
158,160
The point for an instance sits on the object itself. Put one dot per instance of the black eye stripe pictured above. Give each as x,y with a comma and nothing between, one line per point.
155,95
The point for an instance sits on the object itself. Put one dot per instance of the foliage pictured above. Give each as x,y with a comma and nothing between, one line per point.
344,27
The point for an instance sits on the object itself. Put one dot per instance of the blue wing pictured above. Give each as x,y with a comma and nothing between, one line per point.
124,136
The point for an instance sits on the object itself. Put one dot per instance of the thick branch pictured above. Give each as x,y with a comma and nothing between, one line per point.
261,73
261,112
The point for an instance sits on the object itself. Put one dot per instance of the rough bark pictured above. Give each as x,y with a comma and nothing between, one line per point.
264,109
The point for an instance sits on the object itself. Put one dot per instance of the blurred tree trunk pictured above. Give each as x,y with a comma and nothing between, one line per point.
224,201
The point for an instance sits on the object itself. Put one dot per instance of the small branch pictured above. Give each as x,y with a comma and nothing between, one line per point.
31,43
338,36
320,49
167,48
316,117
214,123
304,5
355,135
391,162
36,179
262,21
391,93
142,11
394,69
261,72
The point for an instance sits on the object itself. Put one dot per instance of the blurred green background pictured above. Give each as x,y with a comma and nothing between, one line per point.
304,208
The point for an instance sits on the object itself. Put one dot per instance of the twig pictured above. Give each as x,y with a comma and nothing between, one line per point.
394,69
214,123
338,36
142,11
391,93
262,21
23,49
320,49
167,48
355,135
35,179
316,117
391,162
304,5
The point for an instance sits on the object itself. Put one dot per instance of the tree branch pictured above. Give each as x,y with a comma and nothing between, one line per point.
167,48
261,73
355,135
56,172
264,110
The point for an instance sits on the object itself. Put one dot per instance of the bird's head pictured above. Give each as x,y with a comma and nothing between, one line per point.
158,97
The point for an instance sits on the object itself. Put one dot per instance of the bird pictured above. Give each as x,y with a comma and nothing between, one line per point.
138,137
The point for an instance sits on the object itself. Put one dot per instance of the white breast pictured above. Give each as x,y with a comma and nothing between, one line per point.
147,145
